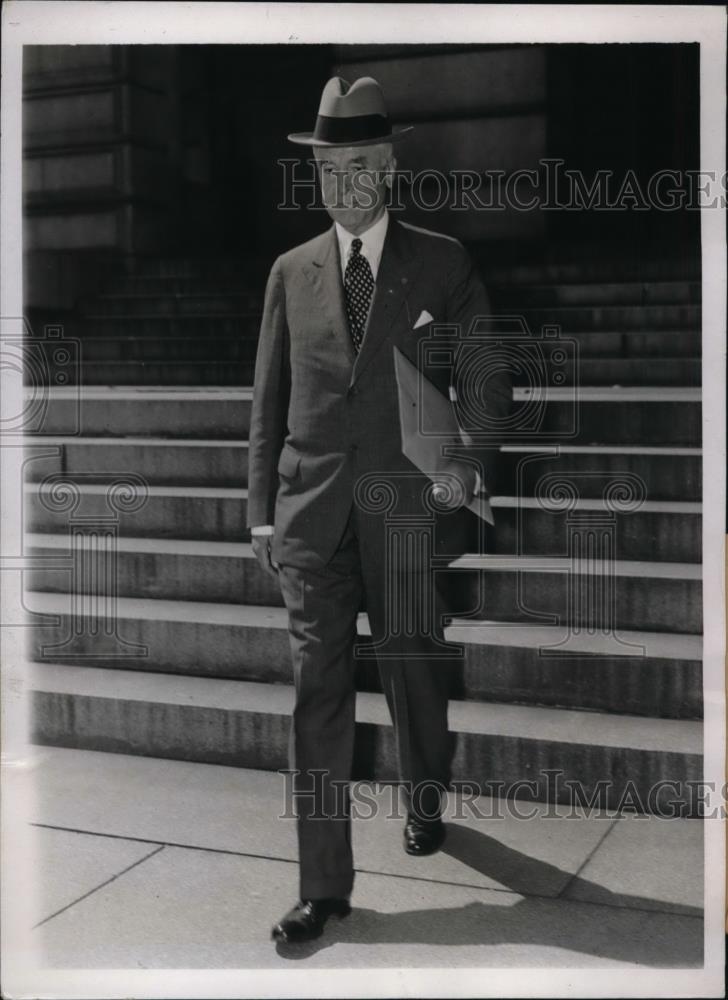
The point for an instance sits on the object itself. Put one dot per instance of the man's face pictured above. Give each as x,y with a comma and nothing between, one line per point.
353,183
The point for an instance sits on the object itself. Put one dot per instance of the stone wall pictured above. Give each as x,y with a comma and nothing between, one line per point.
474,108
132,151
99,163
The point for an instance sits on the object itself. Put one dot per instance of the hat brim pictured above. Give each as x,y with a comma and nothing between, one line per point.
307,139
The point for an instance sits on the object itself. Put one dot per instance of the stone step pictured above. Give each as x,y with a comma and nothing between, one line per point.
160,286
642,673
170,303
570,265
156,411
647,596
151,349
638,343
595,344
594,415
672,473
245,724
591,415
661,473
657,371
141,287
642,371
244,324
161,461
630,317
155,373
584,590
609,331
663,530
598,293
193,512
573,320
620,266
224,302
217,268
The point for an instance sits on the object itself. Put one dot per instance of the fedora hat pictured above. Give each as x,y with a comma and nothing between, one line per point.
353,115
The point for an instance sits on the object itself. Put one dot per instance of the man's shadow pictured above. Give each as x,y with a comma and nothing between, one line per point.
610,925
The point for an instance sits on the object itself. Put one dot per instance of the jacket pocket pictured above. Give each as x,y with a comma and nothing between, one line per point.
288,464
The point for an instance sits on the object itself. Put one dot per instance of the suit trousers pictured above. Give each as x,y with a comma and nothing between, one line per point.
414,668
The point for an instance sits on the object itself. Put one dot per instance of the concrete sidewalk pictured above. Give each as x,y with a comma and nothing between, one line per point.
145,863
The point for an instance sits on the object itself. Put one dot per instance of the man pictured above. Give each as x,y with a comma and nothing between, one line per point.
325,459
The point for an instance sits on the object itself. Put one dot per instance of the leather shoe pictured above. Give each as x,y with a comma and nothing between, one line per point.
307,918
421,839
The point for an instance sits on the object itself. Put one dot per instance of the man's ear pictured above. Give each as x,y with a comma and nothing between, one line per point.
391,169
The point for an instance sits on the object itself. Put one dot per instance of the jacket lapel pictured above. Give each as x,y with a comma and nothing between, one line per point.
397,271
324,273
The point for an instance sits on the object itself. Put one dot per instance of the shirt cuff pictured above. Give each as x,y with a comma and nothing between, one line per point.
262,529
478,483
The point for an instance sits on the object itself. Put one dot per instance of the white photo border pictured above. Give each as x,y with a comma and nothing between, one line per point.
121,23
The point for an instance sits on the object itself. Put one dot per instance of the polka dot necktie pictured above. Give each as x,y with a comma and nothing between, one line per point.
358,286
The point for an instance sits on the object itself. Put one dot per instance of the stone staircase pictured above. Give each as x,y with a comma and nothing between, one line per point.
154,632
178,322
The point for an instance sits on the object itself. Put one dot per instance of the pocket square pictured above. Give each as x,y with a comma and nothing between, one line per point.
424,318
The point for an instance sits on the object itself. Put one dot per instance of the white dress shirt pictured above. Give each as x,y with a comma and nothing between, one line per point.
372,243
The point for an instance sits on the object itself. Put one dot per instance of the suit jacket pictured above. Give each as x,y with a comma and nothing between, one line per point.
323,416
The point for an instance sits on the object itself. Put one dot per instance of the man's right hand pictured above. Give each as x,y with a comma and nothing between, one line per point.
262,551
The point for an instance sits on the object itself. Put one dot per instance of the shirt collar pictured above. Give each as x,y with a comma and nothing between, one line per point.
372,243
